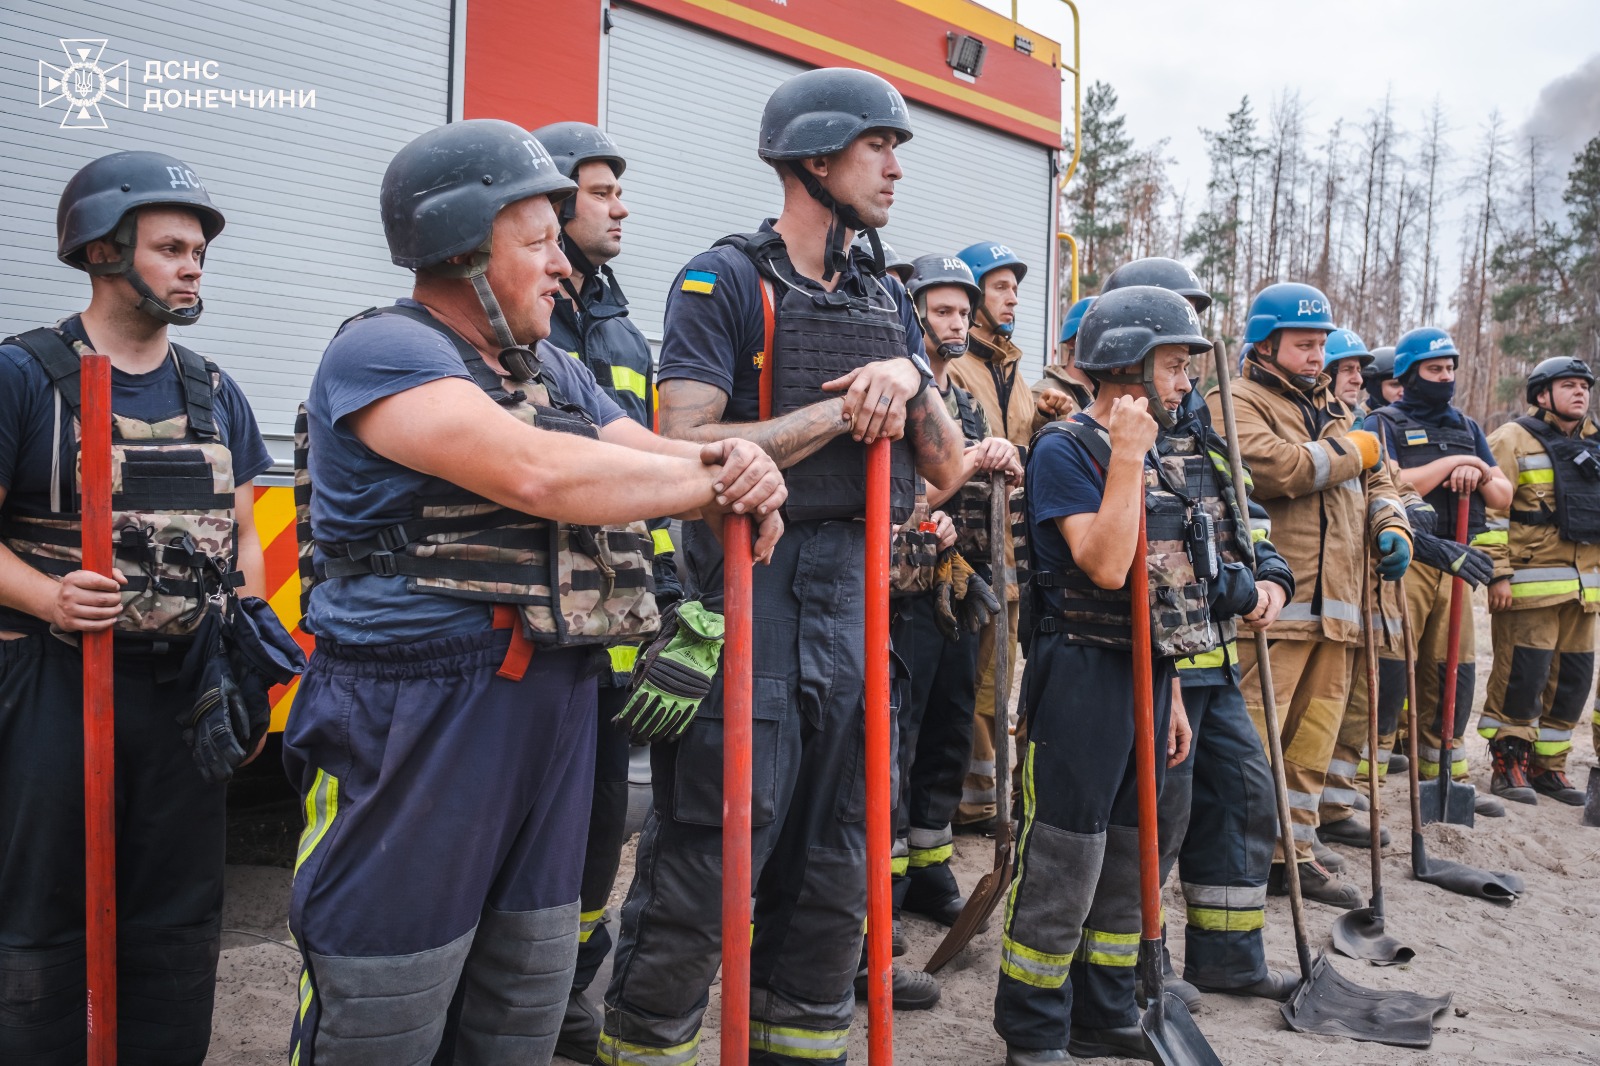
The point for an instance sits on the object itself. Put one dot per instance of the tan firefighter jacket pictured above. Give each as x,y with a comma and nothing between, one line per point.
1311,483
1544,568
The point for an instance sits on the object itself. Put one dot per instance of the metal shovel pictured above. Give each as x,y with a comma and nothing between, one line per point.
1171,1036
1443,798
1325,1002
984,898
99,770
1457,877
1360,933
737,740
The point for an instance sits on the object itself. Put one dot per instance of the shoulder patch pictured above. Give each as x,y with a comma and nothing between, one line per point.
702,281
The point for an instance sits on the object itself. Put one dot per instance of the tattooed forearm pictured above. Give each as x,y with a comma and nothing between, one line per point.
690,410
936,441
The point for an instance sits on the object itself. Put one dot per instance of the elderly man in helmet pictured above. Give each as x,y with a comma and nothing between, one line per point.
1442,453
1089,478
1546,586
185,449
1325,488
474,515
787,337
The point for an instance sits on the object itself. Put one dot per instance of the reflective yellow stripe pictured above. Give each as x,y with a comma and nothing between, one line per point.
1225,921
1109,949
588,922
614,1052
661,540
322,806
1041,969
1257,535
626,379
1219,656
1551,747
1591,595
820,1044
1536,477
305,996
623,656
898,865
1543,588
931,856
1493,536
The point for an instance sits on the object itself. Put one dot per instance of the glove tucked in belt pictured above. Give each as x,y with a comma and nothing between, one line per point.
673,675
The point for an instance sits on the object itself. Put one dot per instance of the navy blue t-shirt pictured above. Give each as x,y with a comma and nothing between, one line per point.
714,328
1063,480
356,492
28,413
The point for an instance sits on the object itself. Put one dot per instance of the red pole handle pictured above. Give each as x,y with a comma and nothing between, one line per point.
736,777
99,777
880,829
1458,599
1144,739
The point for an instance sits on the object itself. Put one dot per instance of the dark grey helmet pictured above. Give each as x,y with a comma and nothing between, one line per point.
893,261
1163,273
98,203
442,191
822,111
1121,329
1382,366
572,144
1552,370
930,271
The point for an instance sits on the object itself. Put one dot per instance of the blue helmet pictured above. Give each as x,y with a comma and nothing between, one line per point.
1287,305
1069,327
1344,344
986,256
1420,345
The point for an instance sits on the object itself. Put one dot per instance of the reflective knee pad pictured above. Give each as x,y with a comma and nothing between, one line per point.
1573,677
1391,695
515,985
42,1005
1530,672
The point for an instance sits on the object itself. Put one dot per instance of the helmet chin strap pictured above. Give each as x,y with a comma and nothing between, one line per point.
126,238
1000,329
836,255
1302,382
945,349
520,362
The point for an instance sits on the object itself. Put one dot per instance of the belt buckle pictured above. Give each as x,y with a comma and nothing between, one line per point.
383,563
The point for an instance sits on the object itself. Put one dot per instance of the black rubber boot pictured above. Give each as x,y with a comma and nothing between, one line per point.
1126,1042
1278,984
1554,783
1316,882
1025,1056
1510,777
932,893
913,989
1327,856
580,1029
1353,831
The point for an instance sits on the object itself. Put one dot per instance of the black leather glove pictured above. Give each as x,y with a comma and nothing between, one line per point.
1470,564
944,598
980,605
1423,518
1233,593
217,727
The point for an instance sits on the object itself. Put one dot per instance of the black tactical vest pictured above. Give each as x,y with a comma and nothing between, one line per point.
1178,491
820,336
1416,444
1575,464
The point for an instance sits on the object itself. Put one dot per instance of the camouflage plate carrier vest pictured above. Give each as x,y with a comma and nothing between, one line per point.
1577,488
969,508
172,519
914,553
574,585
820,336
1416,444
1184,485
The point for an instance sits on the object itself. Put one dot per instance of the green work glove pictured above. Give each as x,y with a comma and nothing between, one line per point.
673,675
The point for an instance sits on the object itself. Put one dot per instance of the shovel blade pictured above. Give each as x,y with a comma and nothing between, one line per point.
1360,935
1492,885
1172,1037
973,917
1454,797
1331,1005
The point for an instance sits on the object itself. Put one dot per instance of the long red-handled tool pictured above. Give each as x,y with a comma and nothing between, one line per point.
99,774
1443,798
1170,1034
880,805
736,779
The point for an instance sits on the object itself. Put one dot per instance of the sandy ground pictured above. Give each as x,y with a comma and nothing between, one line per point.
1525,978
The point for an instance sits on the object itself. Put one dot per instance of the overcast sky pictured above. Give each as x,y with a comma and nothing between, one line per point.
1178,65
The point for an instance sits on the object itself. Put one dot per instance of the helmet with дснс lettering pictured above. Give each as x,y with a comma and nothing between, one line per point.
1124,327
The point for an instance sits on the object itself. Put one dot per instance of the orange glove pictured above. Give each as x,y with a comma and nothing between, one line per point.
1367,444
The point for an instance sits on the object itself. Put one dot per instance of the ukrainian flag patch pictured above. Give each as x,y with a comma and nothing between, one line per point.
703,281
1416,436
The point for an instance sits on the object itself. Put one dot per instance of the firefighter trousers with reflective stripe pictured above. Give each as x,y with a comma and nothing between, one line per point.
808,806
1219,822
1428,598
936,716
1310,679
1347,770
1075,889
977,792
435,897
1539,686
608,820
169,852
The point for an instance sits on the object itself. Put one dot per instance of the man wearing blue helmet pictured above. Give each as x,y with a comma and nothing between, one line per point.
991,372
1320,480
1442,453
